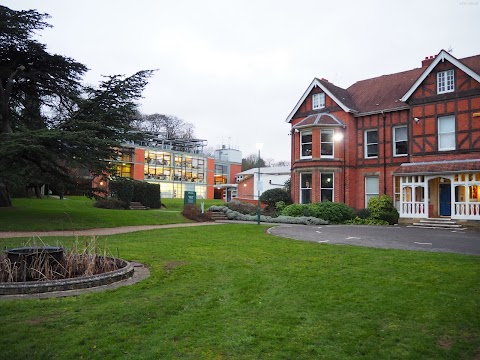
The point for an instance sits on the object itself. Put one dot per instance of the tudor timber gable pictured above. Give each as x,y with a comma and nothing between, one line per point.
366,137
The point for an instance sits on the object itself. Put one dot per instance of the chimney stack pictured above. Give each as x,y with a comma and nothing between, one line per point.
428,60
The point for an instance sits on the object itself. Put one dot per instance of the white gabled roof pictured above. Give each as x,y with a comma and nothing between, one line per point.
442,56
313,84
272,170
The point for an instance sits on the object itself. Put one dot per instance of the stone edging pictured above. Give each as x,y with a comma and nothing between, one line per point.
31,288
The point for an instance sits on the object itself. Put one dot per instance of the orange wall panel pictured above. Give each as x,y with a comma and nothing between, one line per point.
139,165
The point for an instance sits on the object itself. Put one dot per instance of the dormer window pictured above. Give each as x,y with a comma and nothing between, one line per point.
318,101
445,82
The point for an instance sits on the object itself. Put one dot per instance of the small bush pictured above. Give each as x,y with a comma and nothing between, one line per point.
369,221
334,213
272,196
379,204
242,207
110,203
280,206
391,217
193,212
296,210
363,214
381,207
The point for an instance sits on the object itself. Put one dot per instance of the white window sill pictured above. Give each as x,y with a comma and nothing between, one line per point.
445,92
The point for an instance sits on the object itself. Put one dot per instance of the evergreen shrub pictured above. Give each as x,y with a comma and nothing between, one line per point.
272,196
147,194
381,207
335,213
122,190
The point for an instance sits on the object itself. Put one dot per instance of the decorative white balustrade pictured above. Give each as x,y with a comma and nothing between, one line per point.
466,210
413,209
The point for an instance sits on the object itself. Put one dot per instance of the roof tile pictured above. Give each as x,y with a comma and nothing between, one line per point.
435,167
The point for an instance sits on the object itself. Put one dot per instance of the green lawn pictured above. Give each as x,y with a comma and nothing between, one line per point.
177,204
234,292
77,212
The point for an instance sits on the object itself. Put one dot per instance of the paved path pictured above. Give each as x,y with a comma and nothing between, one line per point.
386,237
97,232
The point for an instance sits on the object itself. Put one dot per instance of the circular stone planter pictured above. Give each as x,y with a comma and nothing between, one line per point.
125,271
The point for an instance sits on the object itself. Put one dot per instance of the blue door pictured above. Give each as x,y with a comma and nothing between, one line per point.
445,200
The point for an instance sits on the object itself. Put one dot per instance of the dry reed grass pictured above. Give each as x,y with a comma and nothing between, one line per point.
85,260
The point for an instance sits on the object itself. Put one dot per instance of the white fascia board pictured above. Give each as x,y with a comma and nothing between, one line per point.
442,56
314,83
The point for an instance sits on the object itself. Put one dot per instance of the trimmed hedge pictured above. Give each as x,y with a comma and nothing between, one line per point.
146,193
128,190
235,215
122,190
335,213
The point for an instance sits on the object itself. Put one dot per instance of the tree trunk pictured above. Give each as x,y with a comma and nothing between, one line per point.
4,196
38,193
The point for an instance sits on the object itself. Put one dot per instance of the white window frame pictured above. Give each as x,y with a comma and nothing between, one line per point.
302,133
318,101
367,144
445,81
395,141
322,132
305,188
442,135
369,195
332,189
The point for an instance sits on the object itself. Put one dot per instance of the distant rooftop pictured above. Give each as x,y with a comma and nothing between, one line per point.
158,140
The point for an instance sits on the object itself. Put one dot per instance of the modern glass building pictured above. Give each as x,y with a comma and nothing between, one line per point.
179,165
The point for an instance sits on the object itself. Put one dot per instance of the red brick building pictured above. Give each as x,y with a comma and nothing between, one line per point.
414,135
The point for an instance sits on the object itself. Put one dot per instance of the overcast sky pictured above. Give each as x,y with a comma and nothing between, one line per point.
235,69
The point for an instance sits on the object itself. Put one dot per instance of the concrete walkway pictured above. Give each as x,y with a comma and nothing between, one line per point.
99,231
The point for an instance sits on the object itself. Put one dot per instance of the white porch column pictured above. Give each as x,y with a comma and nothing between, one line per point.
426,198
